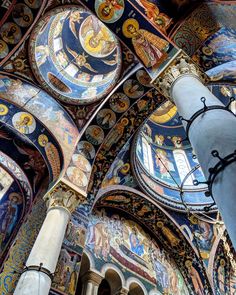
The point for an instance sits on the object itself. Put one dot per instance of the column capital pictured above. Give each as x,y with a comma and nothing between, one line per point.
122,291
181,65
93,277
62,195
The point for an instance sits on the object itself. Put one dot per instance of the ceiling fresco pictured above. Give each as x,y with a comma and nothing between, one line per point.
76,97
163,159
74,55
41,105
31,130
148,42
17,19
212,54
109,122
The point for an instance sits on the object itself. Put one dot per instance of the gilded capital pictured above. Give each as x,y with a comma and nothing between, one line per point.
181,65
62,195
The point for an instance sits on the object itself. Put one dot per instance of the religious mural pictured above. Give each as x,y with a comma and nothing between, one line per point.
165,162
42,106
83,56
66,274
78,60
109,125
113,238
212,53
120,170
152,48
16,21
11,208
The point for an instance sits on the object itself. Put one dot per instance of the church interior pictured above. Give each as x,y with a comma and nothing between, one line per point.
117,147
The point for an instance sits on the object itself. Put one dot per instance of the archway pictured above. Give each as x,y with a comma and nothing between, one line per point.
104,288
135,289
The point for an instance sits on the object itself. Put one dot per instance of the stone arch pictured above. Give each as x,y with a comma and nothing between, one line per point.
168,235
89,258
135,286
115,270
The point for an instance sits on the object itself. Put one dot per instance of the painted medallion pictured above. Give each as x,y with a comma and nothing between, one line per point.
74,55
109,11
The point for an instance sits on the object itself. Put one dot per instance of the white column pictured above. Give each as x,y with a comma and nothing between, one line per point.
91,282
212,130
42,261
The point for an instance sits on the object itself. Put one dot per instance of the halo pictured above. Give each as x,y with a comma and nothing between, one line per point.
43,140
128,22
3,110
222,262
16,195
90,49
160,224
100,12
188,263
26,115
125,121
125,169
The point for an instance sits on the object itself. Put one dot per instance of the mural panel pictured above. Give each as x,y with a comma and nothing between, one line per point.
17,18
75,57
43,107
165,163
149,44
113,238
66,274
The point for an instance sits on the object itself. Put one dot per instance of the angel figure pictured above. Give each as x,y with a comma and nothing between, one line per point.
81,60
75,17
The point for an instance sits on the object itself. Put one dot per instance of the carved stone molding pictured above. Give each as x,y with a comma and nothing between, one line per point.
181,65
62,195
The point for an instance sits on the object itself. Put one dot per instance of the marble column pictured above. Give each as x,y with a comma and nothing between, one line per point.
41,263
91,281
214,130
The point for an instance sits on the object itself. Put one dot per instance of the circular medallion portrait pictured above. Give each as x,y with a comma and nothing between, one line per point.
144,78
109,11
22,15
81,162
94,134
83,55
10,33
4,50
119,102
3,109
106,118
77,176
86,149
24,122
133,88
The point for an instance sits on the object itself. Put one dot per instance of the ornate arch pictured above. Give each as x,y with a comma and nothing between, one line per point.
151,216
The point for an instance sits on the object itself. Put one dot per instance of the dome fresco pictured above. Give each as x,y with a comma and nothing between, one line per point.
164,159
74,55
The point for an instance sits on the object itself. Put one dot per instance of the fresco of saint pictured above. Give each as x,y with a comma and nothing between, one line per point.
150,48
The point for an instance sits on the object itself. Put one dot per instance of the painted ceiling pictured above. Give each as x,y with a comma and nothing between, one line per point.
77,101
